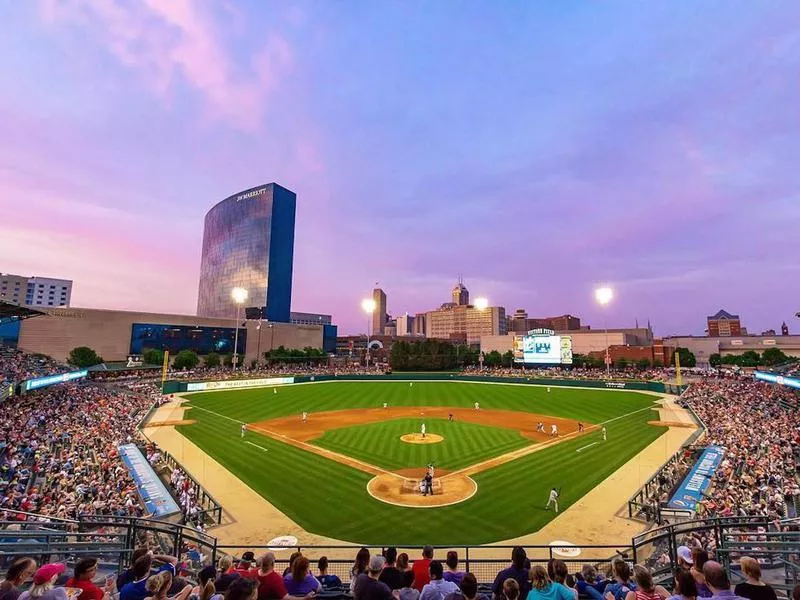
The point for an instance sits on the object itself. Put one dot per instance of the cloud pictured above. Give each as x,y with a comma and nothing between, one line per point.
171,41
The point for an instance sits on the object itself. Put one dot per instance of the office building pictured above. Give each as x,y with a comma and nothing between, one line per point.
460,294
465,320
303,318
379,314
35,291
724,324
519,322
404,325
248,242
419,324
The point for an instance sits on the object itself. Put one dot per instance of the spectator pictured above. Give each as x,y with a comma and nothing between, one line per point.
328,581
542,588
685,587
19,572
242,589
685,560
226,574
452,573
699,558
517,570
158,587
558,573
292,557
796,592
300,582
622,584
206,590
717,581
127,575
438,587
43,581
368,586
391,574
408,592
137,588
359,566
245,566
590,583
421,568
510,589
85,572
753,588
270,584
645,589
402,562
469,590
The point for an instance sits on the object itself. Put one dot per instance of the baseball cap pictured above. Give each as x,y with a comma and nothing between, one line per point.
376,563
685,554
248,556
45,572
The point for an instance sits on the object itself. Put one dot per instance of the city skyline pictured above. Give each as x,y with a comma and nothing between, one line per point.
659,158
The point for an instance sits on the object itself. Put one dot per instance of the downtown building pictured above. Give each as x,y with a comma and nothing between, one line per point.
248,242
35,291
463,322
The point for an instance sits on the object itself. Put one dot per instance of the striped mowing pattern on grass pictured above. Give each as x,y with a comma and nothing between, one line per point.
328,498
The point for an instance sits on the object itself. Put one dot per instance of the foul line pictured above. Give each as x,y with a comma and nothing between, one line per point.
217,414
257,446
585,447
629,414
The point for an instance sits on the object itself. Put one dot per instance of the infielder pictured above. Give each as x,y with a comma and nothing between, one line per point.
305,416
554,430
552,500
385,405
477,406
244,429
422,430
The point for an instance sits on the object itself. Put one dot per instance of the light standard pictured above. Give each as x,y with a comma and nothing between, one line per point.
604,295
368,306
239,296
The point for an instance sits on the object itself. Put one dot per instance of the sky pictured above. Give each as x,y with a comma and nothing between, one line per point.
538,149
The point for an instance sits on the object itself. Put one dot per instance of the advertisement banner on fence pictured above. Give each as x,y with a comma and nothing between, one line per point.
236,383
157,500
792,382
40,382
698,480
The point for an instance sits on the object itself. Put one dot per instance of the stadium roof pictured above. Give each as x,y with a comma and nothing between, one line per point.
9,310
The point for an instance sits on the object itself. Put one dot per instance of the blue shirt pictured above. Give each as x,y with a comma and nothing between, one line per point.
297,588
554,591
135,590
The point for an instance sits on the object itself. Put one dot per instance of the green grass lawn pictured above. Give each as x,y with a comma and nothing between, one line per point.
328,498
464,443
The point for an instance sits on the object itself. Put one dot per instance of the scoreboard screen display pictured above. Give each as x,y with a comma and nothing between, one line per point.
543,347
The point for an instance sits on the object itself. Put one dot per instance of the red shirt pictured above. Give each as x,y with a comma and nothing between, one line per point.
422,576
246,573
270,586
90,590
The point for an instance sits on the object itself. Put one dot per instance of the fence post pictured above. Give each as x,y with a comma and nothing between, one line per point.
467,559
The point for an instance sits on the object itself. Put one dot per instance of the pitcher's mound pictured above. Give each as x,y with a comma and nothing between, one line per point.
416,438
402,491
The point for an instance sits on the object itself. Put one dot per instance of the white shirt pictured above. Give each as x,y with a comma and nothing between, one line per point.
553,495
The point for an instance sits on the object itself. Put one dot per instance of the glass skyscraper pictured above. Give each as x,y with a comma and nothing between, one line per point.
248,242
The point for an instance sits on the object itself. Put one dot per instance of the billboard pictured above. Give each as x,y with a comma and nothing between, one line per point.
792,382
157,500
543,347
40,382
236,384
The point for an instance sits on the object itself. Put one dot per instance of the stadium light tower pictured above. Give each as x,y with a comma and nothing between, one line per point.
604,295
239,296
481,303
368,305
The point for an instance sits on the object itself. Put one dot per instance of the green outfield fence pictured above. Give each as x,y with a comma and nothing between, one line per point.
112,539
173,386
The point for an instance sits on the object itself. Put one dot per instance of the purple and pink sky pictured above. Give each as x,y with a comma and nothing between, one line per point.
538,148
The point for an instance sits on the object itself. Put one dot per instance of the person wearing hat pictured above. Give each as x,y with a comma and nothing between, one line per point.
685,558
245,566
368,586
43,584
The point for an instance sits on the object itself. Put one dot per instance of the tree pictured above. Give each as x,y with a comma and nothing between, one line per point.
83,356
621,363
687,358
211,360
227,359
773,356
508,359
153,356
643,364
751,358
186,359
492,359
715,359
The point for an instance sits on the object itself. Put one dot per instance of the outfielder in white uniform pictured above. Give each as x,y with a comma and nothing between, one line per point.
604,433
244,429
552,500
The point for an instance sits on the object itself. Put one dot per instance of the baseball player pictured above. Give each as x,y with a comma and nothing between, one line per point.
422,430
552,500
554,430
305,416
410,384
580,427
604,433
450,417
385,405
477,406
244,429
274,390
548,389
540,427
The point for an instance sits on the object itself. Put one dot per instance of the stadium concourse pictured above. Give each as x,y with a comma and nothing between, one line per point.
59,458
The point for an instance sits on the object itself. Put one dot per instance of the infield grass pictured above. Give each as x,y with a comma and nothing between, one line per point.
329,498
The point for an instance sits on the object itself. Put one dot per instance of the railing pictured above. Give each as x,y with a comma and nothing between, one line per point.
212,510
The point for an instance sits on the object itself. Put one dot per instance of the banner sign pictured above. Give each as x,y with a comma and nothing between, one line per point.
40,382
617,385
792,382
698,480
157,500
236,383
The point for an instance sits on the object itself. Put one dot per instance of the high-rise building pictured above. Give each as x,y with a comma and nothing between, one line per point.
465,320
248,242
460,294
724,324
418,327
520,323
303,318
379,314
35,291
405,325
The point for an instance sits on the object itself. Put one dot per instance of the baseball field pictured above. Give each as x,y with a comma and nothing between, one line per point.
350,471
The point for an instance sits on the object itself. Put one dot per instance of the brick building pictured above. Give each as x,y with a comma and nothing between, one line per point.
724,324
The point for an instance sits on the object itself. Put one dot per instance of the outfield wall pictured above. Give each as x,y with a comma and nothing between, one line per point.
177,386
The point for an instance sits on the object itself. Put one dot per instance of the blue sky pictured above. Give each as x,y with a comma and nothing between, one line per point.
538,148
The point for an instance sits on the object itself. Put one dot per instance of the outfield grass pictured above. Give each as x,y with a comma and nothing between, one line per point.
464,443
328,498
